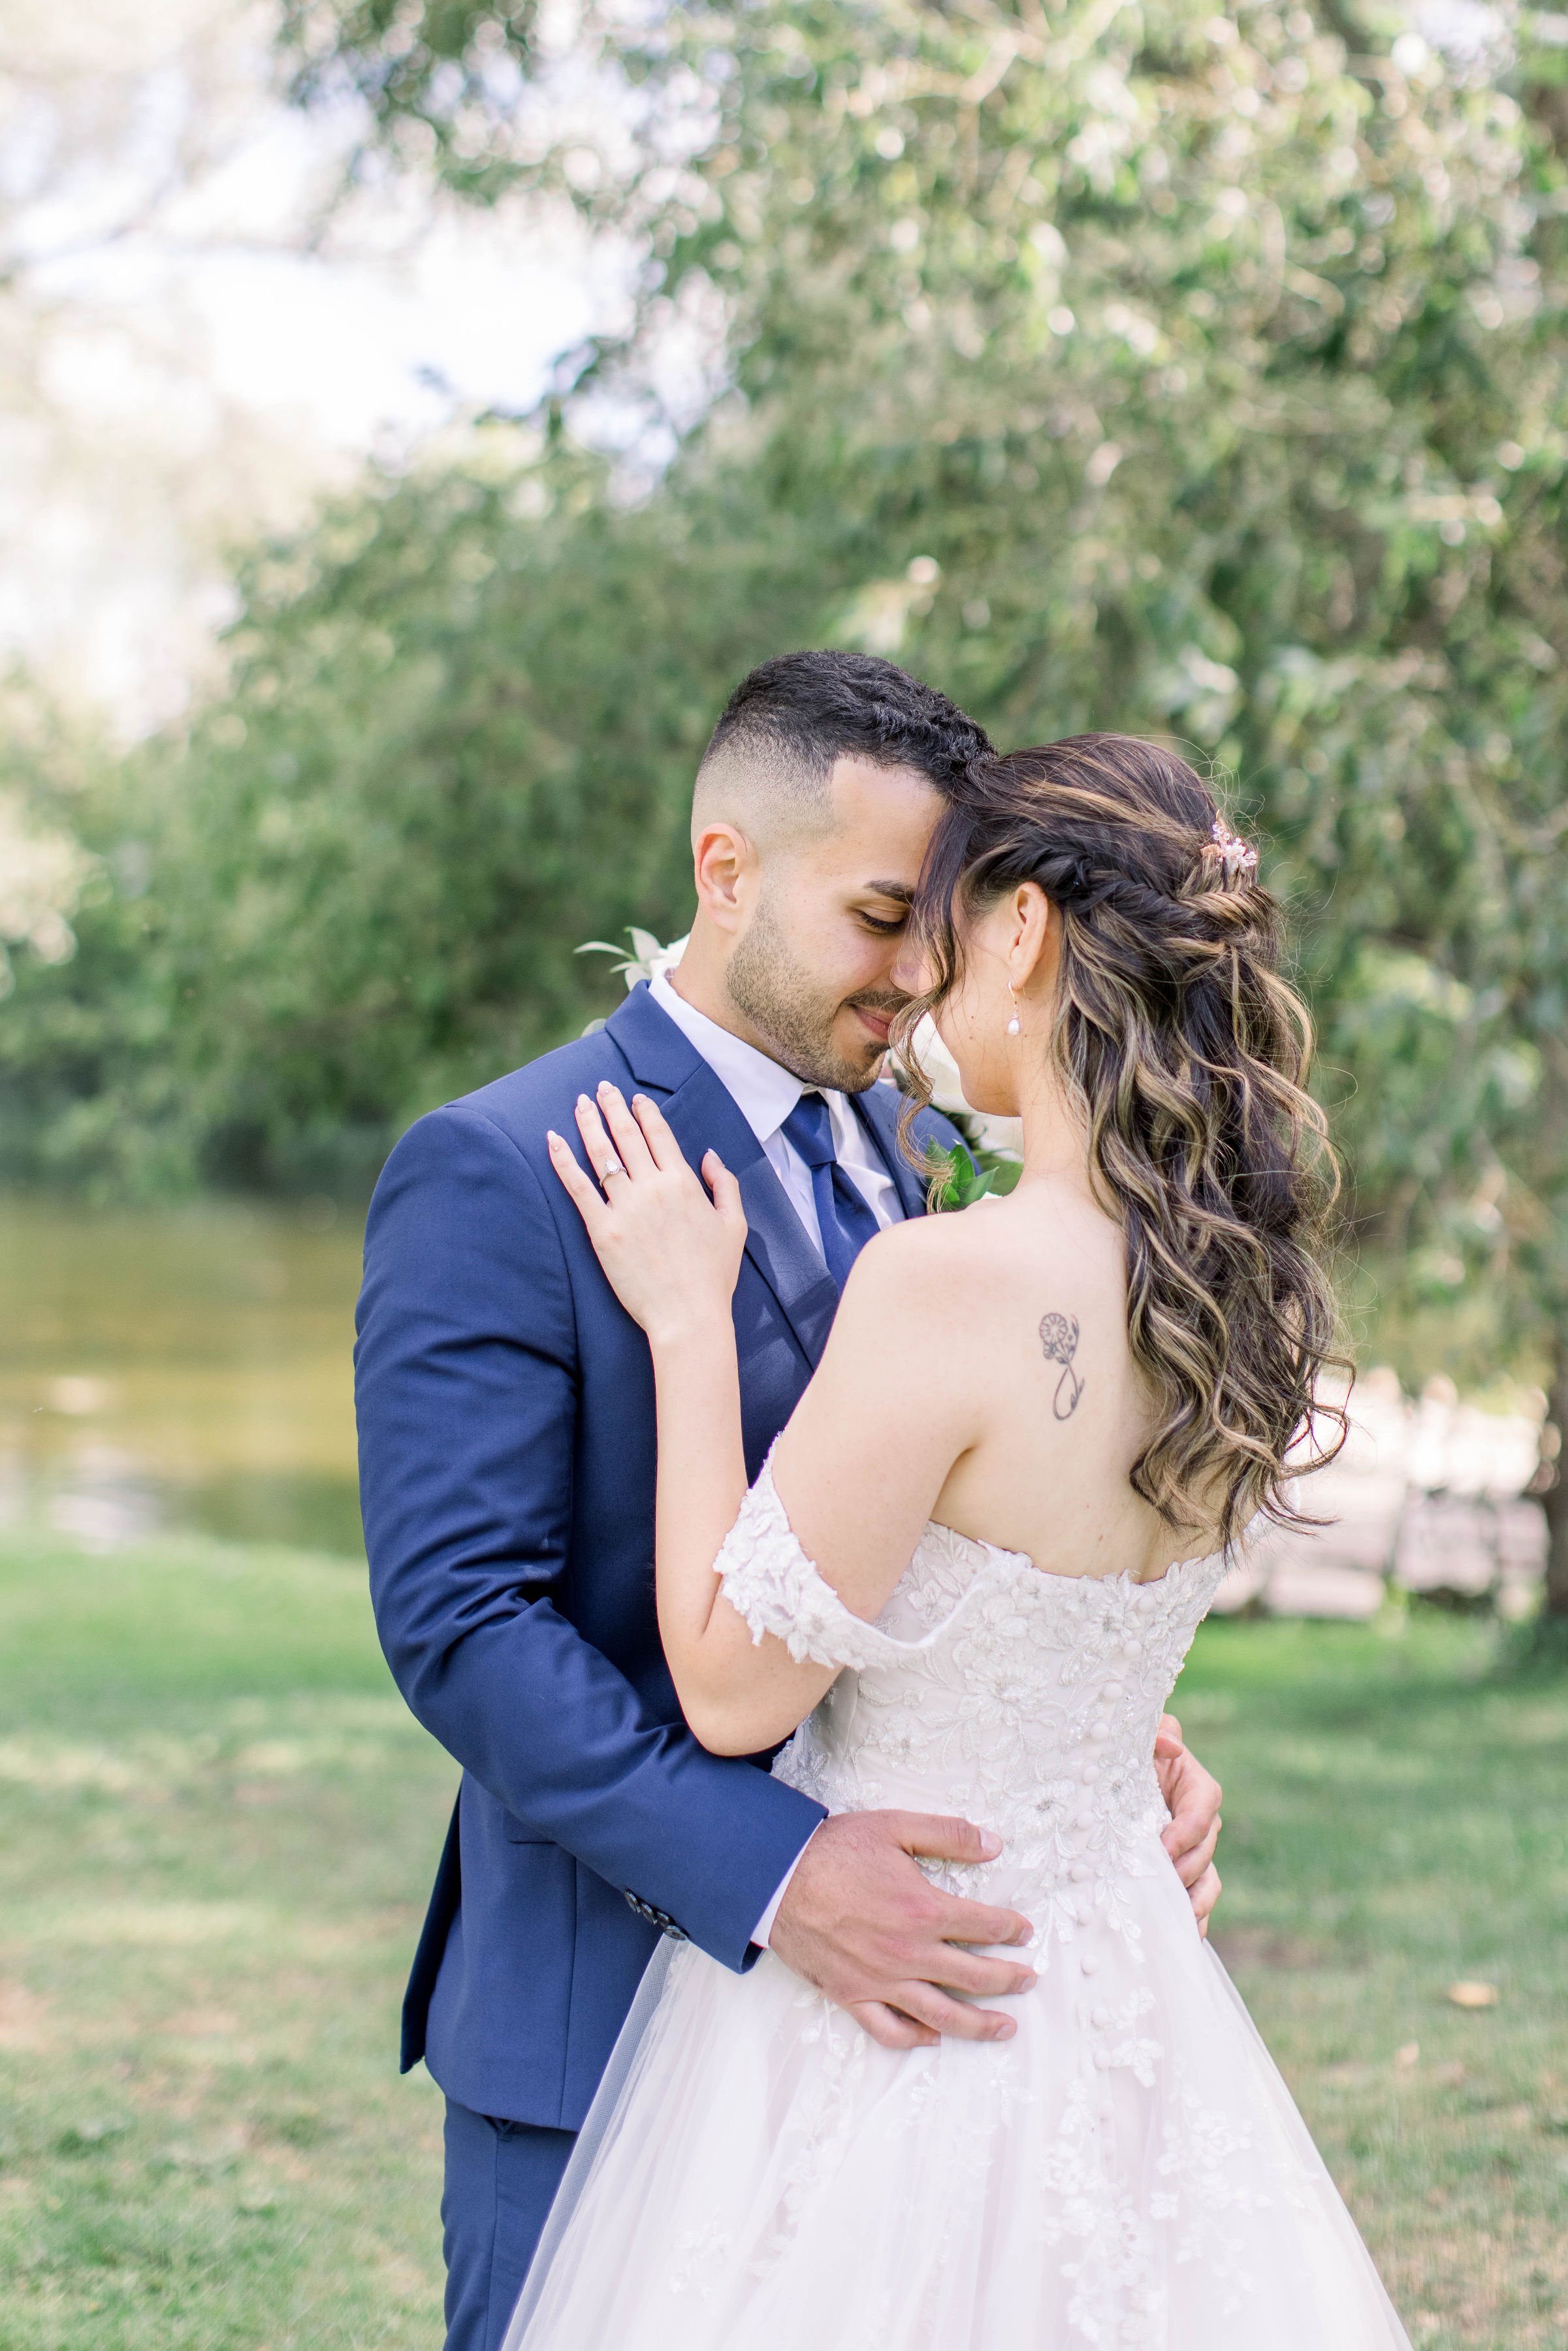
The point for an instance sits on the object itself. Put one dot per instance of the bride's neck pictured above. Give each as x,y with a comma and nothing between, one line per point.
1055,1143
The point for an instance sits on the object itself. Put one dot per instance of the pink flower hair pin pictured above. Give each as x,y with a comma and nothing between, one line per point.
1236,856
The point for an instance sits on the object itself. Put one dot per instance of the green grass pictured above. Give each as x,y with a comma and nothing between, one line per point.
1395,1821
218,1826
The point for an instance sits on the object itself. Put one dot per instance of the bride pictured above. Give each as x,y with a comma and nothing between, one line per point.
966,1581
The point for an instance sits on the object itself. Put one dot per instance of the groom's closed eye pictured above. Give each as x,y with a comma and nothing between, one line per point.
884,912
888,914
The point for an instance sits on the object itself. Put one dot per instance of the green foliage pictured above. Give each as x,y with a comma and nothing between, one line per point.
1156,368
459,736
441,71
971,1172
1170,370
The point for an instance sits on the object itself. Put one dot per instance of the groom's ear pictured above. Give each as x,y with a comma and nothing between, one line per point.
725,868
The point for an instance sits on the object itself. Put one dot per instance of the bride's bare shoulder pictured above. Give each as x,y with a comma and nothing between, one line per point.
931,1259
921,1249
967,1245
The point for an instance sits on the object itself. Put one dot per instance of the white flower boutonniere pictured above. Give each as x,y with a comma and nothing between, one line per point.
646,960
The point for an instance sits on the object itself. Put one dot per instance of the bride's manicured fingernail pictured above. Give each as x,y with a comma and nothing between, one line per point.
551,1137
990,1844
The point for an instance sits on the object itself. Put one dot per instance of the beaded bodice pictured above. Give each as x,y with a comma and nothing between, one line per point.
1024,1701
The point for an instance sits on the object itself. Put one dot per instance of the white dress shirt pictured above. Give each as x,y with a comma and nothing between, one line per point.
764,1094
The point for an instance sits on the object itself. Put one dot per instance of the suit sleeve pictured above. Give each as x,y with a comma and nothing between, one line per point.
466,1386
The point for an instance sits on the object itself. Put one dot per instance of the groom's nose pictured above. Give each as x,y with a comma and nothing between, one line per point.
912,971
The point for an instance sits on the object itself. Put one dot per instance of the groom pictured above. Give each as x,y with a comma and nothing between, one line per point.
507,1455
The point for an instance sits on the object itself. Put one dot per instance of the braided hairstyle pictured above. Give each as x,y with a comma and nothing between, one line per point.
1187,1053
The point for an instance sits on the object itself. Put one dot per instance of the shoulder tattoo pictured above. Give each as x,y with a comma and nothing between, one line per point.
1059,1343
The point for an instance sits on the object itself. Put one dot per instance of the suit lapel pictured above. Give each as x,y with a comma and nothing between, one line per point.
704,1116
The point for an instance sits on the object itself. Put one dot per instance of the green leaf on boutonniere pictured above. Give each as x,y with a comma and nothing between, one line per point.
960,1178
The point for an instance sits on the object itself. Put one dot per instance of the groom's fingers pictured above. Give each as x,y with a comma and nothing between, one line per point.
942,1837
1193,1796
960,1920
955,1970
1204,1896
956,2020
1191,1864
889,2027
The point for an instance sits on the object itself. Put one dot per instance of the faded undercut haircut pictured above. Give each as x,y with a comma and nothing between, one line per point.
769,762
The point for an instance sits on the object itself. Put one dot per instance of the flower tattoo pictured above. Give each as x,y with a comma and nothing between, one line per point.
1059,1341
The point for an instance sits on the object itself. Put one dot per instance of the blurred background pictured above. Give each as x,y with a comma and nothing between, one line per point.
416,416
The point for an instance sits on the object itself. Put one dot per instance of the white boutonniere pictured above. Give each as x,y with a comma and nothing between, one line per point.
646,960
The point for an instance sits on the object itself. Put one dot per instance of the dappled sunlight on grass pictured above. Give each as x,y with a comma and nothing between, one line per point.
220,1824
1397,1821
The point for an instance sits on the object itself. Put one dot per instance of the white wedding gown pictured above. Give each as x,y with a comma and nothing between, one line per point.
1129,2171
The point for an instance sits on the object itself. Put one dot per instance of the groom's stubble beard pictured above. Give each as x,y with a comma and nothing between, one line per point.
794,1014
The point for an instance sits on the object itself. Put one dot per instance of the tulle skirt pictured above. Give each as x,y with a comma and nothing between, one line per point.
1128,2172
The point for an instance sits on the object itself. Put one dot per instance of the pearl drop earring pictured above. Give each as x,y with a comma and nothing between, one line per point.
1015,1025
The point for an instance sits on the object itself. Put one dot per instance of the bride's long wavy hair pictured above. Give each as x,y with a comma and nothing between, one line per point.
1187,1054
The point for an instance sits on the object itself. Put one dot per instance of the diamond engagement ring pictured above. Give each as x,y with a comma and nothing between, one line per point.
614,1168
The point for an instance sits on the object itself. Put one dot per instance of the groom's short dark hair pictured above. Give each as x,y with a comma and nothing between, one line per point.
793,717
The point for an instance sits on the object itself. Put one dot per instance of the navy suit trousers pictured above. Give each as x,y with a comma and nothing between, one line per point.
501,2179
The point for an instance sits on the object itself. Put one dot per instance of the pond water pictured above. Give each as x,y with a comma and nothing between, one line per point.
183,1368
192,1369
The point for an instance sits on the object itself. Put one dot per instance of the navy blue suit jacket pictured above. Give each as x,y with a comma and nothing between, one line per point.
506,1466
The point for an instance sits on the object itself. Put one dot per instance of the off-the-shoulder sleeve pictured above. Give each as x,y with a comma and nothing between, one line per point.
768,1579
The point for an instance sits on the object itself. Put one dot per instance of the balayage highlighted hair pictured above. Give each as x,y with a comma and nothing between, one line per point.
1187,1054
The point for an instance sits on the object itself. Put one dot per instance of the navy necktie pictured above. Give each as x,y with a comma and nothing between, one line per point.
847,1223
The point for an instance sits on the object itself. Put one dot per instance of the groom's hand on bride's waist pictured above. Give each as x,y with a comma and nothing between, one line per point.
861,1922
1192,1798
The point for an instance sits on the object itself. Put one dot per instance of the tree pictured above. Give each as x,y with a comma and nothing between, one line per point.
1155,366
1141,366
458,737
